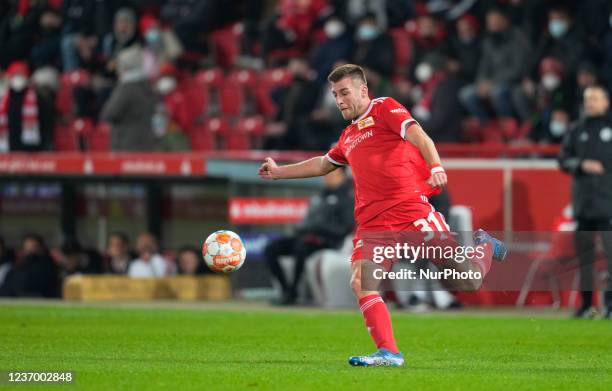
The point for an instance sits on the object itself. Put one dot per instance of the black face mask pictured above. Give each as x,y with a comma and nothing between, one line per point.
497,37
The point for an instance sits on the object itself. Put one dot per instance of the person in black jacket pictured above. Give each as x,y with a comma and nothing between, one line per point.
587,155
328,221
34,274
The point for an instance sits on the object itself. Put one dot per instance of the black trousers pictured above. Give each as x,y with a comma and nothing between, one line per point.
300,248
584,240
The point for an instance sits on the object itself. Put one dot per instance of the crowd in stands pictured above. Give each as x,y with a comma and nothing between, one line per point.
241,74
34,270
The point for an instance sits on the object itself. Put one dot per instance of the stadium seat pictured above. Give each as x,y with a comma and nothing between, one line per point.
201,139
403,49
99,139
205,91
238,93
246,133
64,138
226,44
268,81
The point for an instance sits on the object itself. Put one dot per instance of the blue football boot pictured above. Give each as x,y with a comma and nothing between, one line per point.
382,357
499,248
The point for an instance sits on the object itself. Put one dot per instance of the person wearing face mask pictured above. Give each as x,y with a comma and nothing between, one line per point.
374,50
436,106
130,108
586,154
535,104
428,36
502,65
561,41
338,45
26,118
160,45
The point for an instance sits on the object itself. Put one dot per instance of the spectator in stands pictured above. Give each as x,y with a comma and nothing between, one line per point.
74,259
18,27
536,104
429,36
118,253
33,274
122,37
190,262
465,48
161,45
326,224
289,32
26,117
296,102
149,263
46,51
173,116
586,77
130,108
7,258
374,51
85,24
436,106
607,55
562,41
338,45
501,66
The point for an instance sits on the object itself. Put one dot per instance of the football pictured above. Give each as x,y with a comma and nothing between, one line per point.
223,251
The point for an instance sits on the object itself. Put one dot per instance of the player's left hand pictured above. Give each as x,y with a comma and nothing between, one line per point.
439,179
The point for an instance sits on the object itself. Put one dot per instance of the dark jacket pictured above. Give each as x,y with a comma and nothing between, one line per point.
330,214
130,110
34,276
590,138
503,57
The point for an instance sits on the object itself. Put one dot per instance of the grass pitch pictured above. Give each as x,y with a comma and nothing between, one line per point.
139,348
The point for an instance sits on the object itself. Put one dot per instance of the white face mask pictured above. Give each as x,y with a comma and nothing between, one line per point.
333,29
423,72
558,129
166,84
550,81
18,82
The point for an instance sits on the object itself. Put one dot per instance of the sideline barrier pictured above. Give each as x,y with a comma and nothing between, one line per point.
117,288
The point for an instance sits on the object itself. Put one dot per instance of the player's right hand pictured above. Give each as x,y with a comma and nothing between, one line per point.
269,169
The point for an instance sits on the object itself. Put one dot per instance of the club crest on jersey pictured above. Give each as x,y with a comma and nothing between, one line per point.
364,123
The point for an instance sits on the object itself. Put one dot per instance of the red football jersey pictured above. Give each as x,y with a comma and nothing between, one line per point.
388,171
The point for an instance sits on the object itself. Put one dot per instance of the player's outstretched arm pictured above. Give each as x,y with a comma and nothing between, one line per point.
417,136
317,166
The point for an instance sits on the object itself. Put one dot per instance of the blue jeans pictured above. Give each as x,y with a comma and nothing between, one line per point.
501,100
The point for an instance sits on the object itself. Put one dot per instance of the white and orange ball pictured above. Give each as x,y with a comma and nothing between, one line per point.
223,251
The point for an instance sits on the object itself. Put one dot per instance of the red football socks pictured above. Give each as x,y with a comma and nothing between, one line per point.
378,322
484,263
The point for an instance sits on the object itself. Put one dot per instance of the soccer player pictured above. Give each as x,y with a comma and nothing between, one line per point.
396,167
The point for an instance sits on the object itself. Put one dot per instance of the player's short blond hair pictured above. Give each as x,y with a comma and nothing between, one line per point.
347,70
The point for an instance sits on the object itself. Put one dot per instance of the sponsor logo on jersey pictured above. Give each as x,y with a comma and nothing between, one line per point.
364,123
399,110
357,140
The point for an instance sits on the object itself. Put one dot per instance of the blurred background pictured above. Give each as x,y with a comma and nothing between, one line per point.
130,130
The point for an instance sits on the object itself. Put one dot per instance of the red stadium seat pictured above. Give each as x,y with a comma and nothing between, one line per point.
99,139
205,90
268,81
65,139
403,48
201,139
226,44
246,133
